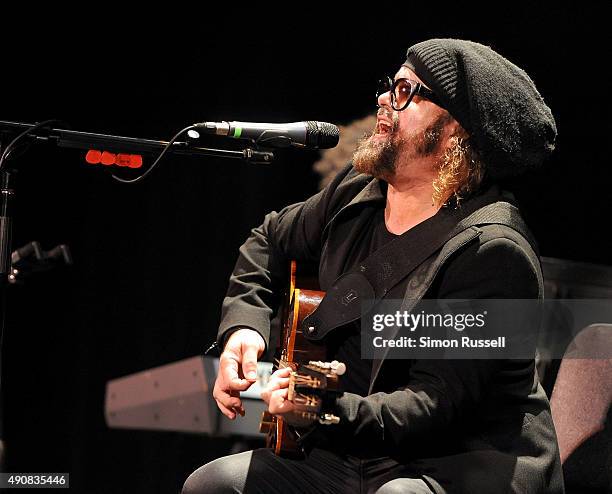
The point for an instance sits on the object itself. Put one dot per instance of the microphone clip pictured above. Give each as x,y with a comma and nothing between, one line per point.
258,157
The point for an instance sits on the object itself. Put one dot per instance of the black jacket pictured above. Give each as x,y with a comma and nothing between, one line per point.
469,426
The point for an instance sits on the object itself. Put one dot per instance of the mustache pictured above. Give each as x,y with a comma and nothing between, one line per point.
382,111
391,115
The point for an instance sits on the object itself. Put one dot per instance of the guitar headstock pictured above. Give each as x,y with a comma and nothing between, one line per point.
313,387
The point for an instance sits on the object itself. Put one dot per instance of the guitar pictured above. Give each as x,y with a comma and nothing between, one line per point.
313,383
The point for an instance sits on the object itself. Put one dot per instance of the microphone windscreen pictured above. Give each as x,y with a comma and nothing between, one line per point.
322,135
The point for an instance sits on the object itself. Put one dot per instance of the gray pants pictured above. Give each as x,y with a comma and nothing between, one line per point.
260,471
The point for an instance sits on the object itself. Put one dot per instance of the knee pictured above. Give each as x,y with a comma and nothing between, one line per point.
392,487
215,477
404,486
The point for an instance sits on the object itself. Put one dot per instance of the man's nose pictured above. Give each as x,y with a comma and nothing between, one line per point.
384,100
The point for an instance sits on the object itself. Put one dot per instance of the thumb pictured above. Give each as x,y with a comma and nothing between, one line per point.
249,362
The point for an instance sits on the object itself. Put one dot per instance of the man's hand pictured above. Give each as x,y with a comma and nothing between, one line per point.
237,370
275,393
275,396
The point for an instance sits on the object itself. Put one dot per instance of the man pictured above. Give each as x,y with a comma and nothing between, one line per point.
456,118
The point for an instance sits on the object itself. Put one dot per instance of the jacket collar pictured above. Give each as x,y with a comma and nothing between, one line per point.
375,190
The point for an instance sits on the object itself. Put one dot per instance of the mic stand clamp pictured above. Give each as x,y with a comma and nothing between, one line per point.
258,157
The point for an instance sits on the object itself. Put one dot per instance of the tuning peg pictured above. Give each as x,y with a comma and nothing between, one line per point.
334,366
329,419
338,368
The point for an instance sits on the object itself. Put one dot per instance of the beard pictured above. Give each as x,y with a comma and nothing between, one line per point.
380,157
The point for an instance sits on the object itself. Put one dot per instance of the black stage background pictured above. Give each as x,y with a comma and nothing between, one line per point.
152,260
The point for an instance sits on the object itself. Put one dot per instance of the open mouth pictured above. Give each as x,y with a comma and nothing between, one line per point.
383,127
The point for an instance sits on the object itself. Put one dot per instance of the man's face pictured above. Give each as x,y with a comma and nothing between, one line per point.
401,137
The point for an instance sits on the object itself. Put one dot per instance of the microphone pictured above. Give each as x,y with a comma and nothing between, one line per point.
314,135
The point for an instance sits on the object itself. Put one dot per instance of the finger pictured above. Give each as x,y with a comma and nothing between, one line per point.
239,408
274,384
279,403
282,372
276,381
228,365
266,396
249,361
229,400
226,411
281,382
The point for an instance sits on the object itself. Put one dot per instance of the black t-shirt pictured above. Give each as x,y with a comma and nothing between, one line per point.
344,343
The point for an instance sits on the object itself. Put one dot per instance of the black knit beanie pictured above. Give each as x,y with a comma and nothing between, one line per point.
495,102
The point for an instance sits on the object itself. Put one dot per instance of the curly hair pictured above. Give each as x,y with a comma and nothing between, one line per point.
460,172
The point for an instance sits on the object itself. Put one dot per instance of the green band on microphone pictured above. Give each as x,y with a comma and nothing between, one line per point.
237,132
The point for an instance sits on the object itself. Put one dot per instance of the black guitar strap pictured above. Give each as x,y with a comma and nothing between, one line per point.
372,279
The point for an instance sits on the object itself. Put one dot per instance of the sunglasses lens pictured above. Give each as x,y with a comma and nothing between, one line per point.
401,94
401,91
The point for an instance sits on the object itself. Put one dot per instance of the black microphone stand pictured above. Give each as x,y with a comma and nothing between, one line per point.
6,204
7,196
87,140
82,140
